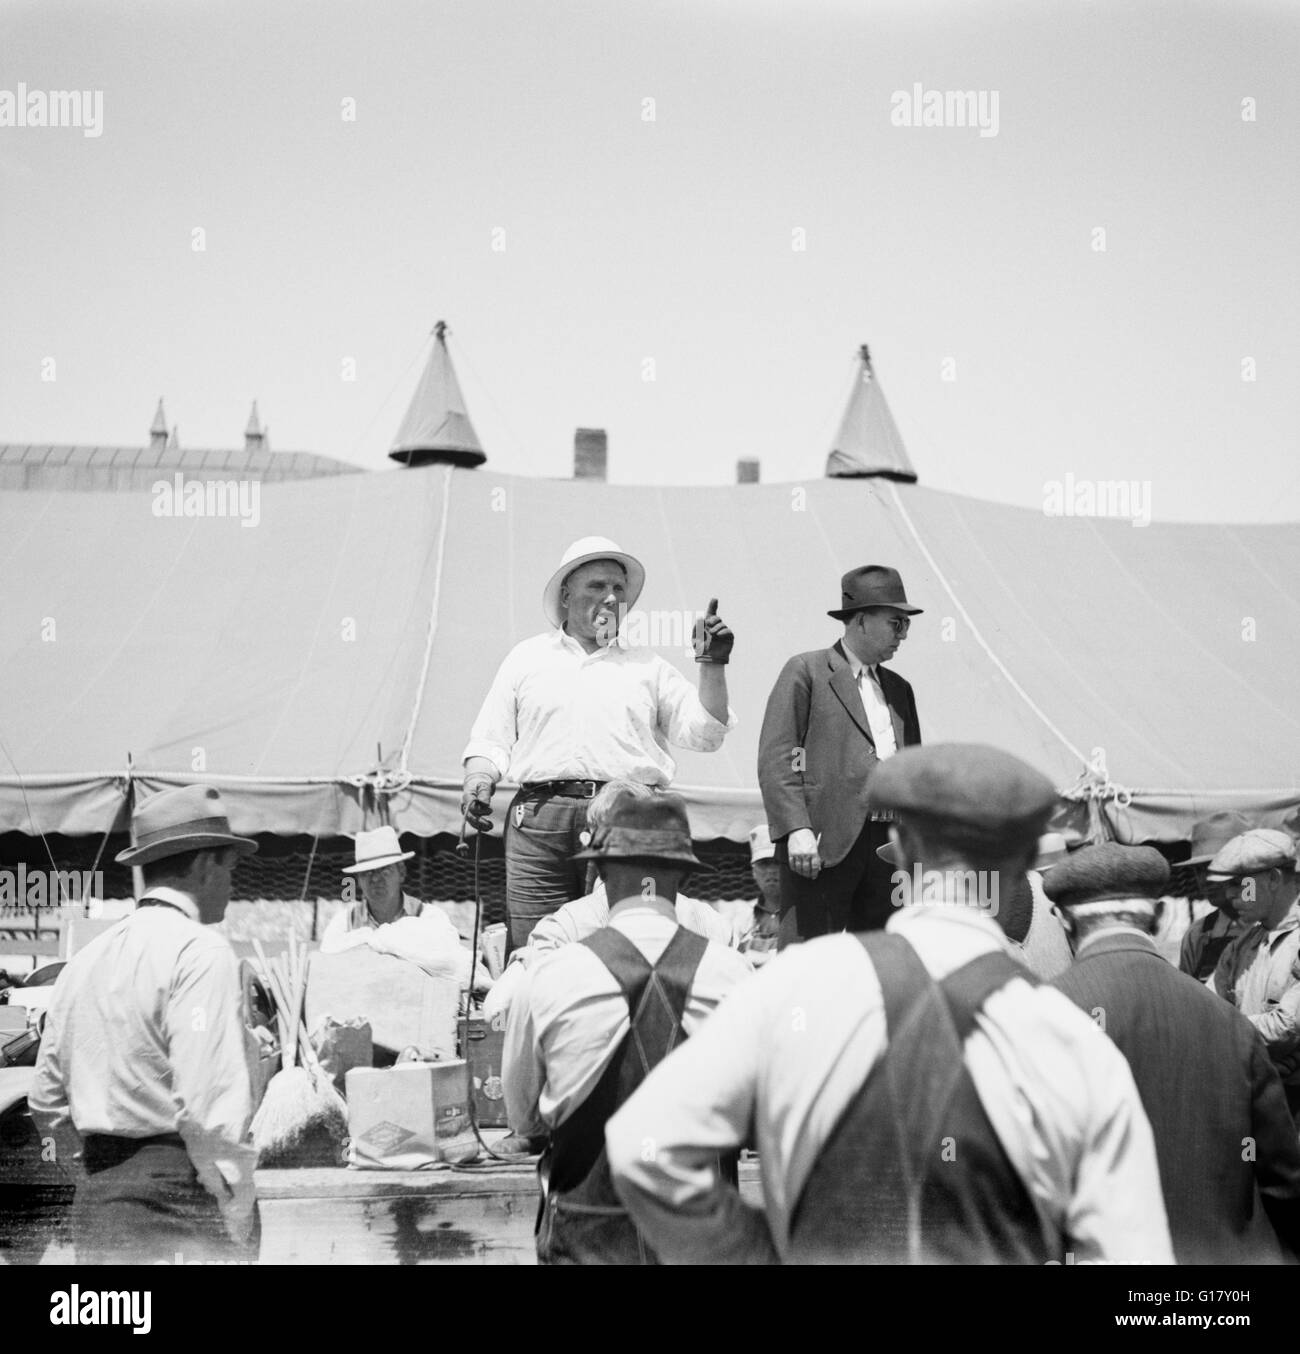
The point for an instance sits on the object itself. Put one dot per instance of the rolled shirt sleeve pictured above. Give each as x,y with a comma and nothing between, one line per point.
683,720
523,1071
210,1078
496,729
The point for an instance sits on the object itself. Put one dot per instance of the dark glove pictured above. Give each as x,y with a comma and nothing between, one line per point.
712,637
476,801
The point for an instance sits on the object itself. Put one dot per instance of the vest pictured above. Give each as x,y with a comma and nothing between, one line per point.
581,1219
914,1173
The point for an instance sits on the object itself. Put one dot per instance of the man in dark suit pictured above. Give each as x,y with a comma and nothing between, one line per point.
833,716
1229,1158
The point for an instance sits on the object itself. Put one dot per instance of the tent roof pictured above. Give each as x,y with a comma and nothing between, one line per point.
369,610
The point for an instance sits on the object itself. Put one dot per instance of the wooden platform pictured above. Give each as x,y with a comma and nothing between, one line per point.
350,1217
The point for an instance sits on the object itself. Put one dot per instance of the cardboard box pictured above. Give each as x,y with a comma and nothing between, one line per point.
409,1117
484,1053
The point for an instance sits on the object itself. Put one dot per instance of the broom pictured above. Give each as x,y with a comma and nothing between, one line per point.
302,1119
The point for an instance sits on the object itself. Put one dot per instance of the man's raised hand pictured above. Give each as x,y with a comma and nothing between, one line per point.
712,637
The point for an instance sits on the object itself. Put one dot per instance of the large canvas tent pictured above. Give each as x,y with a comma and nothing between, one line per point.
333,656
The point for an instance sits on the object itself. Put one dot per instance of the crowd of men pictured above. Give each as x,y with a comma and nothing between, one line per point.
967,1048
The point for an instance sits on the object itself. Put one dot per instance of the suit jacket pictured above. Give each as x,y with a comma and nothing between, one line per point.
1210,1091
815,706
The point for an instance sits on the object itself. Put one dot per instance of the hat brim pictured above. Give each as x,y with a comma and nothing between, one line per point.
176,846
365,866
844,613
683,858
632,566
892,854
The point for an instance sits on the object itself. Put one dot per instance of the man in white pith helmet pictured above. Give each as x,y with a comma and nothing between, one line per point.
571,710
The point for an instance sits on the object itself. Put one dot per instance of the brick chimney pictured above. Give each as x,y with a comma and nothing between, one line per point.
747,472
590,452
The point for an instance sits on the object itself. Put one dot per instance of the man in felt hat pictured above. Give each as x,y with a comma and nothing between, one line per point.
142,1083
388,920
1259,971
571,710
1201,1069
593,1018
834,717
1210,933
915,1096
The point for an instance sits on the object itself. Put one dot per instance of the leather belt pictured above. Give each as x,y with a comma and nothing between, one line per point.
569,789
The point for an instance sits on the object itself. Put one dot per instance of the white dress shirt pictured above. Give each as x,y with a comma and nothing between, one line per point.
145,1036
787,1053
583,917
423,935
556,712
570,1016
875,707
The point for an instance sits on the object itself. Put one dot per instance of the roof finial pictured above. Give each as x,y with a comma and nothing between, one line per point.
440,331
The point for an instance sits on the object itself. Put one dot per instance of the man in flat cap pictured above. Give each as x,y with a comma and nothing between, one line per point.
142,1081
1202,1071
916,1097
1259,972
834,716
571,710
593,1018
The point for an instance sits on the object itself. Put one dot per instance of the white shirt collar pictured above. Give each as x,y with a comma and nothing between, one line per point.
165,894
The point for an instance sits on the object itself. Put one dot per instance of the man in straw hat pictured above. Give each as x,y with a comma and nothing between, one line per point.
388,920
914,1094
1259,971
834,716
1202,1071
575,708
592,1019
142,1082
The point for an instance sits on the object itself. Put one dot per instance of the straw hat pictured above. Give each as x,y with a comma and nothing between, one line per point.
375,849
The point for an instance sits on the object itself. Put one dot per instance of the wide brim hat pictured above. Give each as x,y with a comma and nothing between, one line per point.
870,586
583,552
375,849
1210,835
653,829
191,818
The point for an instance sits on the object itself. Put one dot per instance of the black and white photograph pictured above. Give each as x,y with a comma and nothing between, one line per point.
660,632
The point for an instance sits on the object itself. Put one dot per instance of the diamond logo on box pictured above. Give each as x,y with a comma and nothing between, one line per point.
385,1136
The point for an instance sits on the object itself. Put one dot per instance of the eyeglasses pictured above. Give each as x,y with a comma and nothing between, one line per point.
899,624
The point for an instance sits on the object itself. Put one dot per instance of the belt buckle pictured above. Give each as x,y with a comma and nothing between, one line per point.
591,788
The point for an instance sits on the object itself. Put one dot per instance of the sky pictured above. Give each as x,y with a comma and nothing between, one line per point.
714,195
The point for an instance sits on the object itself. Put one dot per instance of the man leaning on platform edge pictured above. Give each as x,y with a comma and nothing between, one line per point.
834,715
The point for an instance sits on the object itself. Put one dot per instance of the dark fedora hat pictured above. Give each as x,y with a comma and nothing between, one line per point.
644,829
191,818
872,585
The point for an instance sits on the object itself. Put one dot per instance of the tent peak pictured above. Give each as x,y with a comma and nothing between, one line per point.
437,427
868,441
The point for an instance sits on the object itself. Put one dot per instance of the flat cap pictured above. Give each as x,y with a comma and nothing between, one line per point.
1262,848
969,785
1107,871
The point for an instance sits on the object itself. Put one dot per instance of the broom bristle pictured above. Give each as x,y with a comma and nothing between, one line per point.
299,1116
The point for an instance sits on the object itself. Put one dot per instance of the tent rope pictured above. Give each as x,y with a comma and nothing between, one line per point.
1024,695
432,630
